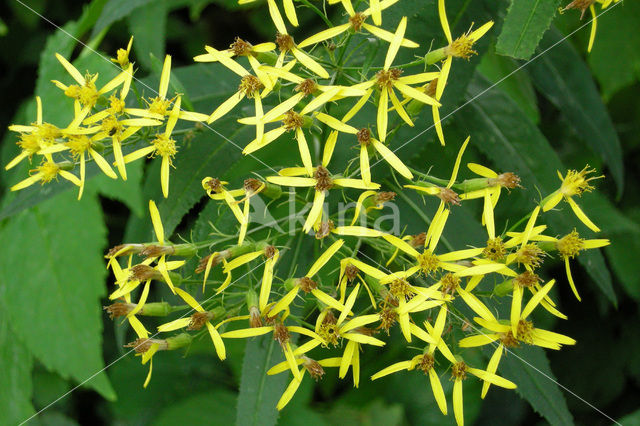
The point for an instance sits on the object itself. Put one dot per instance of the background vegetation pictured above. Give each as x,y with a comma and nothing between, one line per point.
563,110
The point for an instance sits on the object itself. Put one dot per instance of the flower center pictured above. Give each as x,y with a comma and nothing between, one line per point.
159,105
307,284
307,87
323,179
165,146
450,283
364,136
426,363
78,144
495,249
462,47
281,334
428,262
241,47
249,85
526,279
285,42
357,20
571,244
530,255
577,182
400,289
49,171
459,370
385,78
449,196
525,331
292,120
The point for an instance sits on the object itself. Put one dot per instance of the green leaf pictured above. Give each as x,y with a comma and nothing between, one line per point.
127,191
198,409
53,279
524,25
632,419
148,27
518,86
115,10
515,144
528,367
15,380
260,393
615,61
563,78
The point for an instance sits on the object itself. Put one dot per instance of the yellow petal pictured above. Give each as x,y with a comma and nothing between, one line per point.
246,332
282,108
415,94
395,42
290,11
217,341
304,151
175,324
309,63
291,389
478,340
388,36
225,107
320,100
536,299
401,244
157,222
73,71
399,108
276,17
492,378
457,396
325,257
438,393
392,159
316,211
358,231
376,14
355,183
336,124
300,182
324,35
365,171
394,368
382,116
581,215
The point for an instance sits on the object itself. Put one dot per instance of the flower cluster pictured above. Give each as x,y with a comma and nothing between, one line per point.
417,286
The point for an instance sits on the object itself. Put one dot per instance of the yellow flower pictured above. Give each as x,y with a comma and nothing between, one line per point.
286,44
78,143
459,371
447,197
158,106
86,91
289,10
35,137
250,86
146,273
164,146
426,361
522,329
569,247
322,181
582,5
365,141
574,183
196,321
307,285
121,277
122,56
311,366
350,269
270,253
45,173
332,330
462,47
147,348
281,334
357,22
389,78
